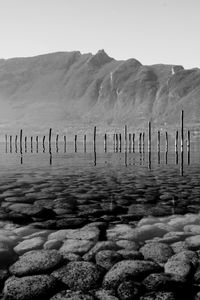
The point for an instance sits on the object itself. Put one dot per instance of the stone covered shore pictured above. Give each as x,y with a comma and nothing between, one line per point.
154,259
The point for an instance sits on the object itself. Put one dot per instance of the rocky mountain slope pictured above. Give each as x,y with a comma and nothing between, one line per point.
74,90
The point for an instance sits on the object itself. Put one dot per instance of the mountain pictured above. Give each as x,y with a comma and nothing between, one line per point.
74,91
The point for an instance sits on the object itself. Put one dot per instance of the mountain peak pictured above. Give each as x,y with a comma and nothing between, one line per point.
99,59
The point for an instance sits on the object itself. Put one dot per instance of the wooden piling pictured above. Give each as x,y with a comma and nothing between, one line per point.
57,137
25,143
43,143
117,142
176,141
85,139
149,136
75,142
188,140
143,142
166,142
182,130
129,142
50,133
133,141
16,143
10,143
114,142
31,144
140,142
95,132
105,142
120,142
125,137
65,143
37,144
21,141
158,146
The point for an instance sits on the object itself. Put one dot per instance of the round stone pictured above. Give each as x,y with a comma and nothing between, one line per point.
178,267
70,295
29,287
157,252
36,262
128,290
79,275
107,258
28,245
122,270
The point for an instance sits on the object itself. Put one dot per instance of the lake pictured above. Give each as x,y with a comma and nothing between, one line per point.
112,186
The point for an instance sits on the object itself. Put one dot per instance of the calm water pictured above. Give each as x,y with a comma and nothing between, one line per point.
121,185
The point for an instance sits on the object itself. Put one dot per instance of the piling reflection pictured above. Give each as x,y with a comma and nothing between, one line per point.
188,158
149,160
181,163
50,155
176,157
95,158
166,157
125,158
158,157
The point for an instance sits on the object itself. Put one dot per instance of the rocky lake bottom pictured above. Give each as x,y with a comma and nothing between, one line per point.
99,227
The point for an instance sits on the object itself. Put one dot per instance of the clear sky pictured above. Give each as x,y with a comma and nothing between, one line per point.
152,31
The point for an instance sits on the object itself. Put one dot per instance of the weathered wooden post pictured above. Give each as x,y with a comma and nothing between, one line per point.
140,142
125,137
25,142
114,142
182,130
31,144
117,142
16,143
43,143
188,140
75,142
6,140
21,141
65,143
37,143
166,142
10,143
50,132
129,142
95,132
158,147
176,141
143,141
57,137
149,136
120,142
133,142
85,139
105,143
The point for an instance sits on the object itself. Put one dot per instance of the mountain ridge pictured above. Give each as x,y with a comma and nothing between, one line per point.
73,90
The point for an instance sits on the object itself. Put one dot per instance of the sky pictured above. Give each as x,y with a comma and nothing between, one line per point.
152,31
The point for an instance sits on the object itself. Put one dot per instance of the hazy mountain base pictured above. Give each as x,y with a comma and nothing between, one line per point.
73,92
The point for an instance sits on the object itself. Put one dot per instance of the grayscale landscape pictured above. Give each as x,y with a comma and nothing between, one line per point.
99,150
